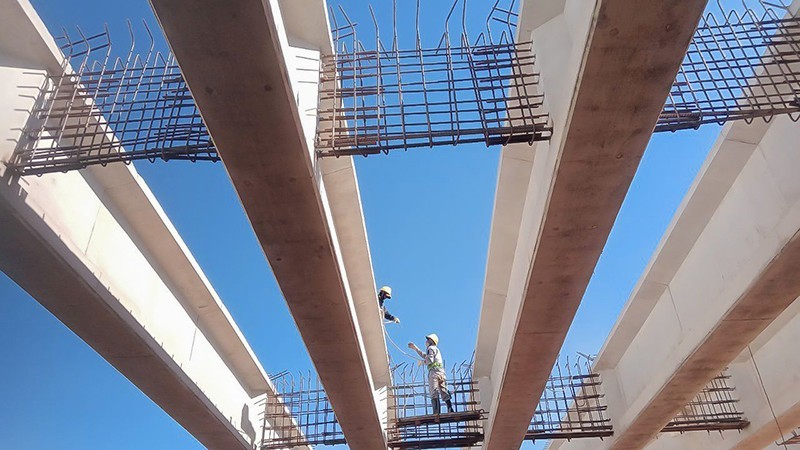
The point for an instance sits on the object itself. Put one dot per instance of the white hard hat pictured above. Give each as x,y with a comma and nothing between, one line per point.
434,338
386,290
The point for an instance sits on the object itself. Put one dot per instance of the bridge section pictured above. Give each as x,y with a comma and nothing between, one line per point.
606,68
96,249
242,71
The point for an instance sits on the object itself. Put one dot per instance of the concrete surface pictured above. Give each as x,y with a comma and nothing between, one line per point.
704,303
96,249
606,70
720,284
704,299
236,60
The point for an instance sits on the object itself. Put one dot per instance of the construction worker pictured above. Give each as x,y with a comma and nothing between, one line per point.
384,294
437,378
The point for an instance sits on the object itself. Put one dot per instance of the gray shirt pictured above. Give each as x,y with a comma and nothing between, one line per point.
433,358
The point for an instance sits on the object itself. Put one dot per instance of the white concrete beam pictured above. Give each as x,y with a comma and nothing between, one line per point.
234,56
606,70
730,153
307,28
96,249
743,288
341,187
67,250
767,383
719,278
721,275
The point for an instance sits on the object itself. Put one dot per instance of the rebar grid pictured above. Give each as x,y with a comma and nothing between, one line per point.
713,409
572,405
102,109
740,66
378,100
794,439
312,420
414,425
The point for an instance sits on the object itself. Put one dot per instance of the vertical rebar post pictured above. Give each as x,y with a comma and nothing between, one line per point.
455,92
572,404
100,108
742,64
713,409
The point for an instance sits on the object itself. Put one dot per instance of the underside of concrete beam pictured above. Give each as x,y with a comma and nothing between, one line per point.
233,56
51,275
98,252
776,288
631,59
96,249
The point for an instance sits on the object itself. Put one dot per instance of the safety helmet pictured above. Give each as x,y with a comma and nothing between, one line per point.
386,290
433,337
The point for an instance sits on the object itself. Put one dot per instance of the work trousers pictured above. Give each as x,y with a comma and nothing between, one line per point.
437,384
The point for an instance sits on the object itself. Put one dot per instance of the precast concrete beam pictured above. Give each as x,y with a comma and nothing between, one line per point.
96,249
718,287
50,270
767,387
630,57
648,326
234,56
717,297
774,291
309,38
308,31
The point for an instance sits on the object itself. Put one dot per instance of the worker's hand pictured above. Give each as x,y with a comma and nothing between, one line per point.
412,346
419,363
396,320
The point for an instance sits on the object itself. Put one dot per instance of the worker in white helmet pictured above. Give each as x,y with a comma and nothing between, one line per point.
384,294
437,378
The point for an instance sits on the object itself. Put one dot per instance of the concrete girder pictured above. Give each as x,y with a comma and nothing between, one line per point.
702,300
718,287
96,250
605,91
234,56
775,290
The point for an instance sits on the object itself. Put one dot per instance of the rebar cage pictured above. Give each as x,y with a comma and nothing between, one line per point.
794,439
377,100
742,64
572,404
300,413
311,420
414,425
713,409
102,108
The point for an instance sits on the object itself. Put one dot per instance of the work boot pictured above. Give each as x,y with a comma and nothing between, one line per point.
436,405
449,406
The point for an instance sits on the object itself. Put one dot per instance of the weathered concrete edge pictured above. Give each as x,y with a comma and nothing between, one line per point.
667,68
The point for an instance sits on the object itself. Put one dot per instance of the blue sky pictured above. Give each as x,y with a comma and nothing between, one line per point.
428,216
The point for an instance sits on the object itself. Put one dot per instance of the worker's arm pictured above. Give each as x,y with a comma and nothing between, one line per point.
430,357
413,346
388,316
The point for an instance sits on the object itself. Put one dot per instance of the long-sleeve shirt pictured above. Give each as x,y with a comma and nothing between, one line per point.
386,314
432,358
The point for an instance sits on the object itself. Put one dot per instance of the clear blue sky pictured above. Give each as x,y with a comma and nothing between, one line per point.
428,215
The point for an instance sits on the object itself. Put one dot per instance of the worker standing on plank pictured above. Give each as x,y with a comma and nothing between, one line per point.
437,378
384,294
